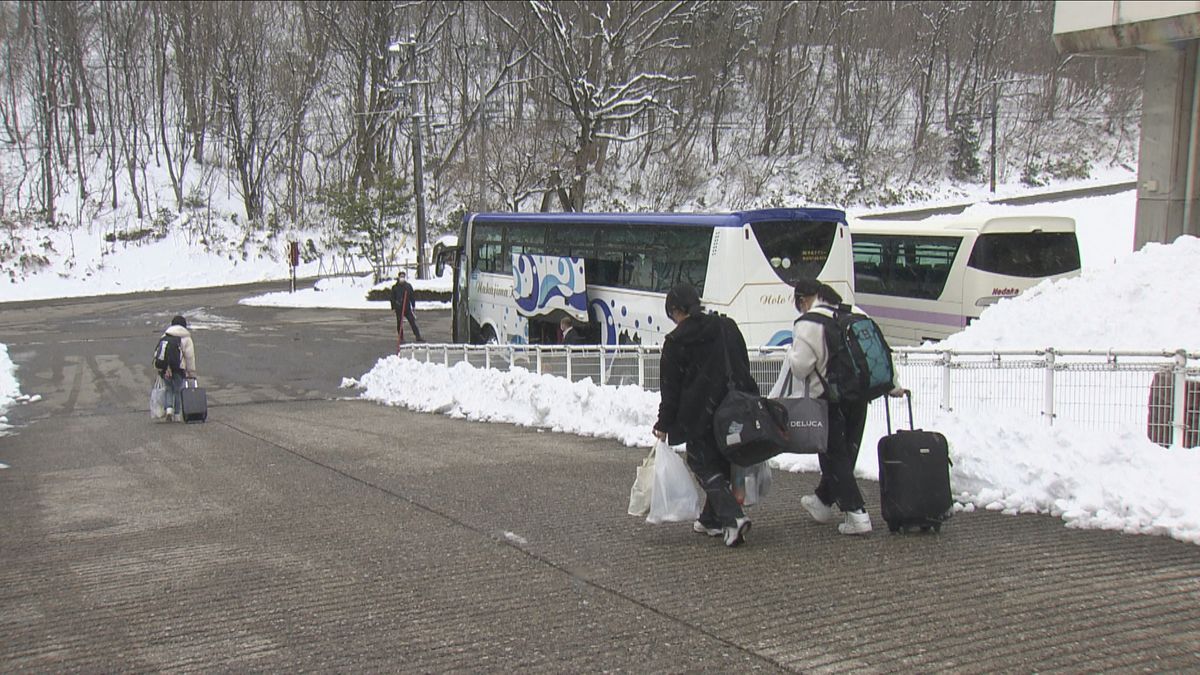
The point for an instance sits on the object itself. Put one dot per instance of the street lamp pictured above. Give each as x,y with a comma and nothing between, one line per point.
418,161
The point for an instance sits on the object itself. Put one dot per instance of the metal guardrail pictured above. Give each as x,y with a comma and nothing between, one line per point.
1156,393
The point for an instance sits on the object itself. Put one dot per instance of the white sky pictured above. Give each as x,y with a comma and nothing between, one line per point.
1090,479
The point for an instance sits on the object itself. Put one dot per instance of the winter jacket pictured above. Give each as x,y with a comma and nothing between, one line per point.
187,350
805,357
402,294
692,374
573,337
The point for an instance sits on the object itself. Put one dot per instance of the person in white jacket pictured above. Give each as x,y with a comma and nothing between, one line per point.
806,362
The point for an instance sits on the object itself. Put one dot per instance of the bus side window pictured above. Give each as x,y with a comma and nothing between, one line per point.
638,271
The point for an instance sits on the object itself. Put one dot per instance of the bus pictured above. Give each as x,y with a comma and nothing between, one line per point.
924,281
518,274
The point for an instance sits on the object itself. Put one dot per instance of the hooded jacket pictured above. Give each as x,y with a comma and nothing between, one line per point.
187,350
693,376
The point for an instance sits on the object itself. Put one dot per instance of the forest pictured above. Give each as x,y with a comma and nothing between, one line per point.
562,105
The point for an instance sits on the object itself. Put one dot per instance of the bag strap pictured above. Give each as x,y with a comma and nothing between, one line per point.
725,353
824,322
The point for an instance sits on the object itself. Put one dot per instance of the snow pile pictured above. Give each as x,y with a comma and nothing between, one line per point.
10,390
520,397
1149,300
349,293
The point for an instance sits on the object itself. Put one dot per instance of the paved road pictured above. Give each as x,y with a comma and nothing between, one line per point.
299,530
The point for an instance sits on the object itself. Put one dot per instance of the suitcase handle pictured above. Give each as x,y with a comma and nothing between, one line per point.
193,383
888,410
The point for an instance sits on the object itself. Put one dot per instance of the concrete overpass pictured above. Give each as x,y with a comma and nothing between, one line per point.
1166,34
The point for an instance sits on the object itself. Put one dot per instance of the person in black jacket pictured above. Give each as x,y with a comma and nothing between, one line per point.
403,305
570,334
693,381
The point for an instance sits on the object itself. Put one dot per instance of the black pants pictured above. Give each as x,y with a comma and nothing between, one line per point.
846,423
713,470
412,321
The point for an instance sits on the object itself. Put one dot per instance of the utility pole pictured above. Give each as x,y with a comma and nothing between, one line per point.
995,111
418,163
418,159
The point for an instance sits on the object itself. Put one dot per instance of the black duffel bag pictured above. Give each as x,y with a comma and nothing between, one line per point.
750,428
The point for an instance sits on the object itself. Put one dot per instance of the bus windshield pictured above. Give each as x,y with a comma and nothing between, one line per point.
1033,254
795,248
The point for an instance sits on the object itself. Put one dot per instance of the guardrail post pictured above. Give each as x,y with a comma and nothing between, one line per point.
946,358
600,362
487,357
539,358
569,359
1179,400
641,360
446,356
1048,404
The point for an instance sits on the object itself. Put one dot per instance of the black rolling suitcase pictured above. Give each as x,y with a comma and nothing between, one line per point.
195,402
914,476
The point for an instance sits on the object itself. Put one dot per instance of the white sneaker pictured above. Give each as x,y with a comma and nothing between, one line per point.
170,411
699,528
736,535
856,522
819,510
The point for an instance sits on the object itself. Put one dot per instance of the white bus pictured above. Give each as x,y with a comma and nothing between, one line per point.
517,274
923,281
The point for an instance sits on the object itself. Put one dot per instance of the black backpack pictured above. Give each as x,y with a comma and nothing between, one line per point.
860,361
168,354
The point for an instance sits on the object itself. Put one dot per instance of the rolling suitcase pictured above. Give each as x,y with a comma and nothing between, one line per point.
195,402
914,476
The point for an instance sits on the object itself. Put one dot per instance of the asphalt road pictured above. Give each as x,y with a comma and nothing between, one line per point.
301,530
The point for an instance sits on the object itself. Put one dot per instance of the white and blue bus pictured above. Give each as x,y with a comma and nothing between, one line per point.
517,274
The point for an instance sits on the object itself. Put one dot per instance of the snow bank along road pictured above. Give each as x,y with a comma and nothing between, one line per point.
294,530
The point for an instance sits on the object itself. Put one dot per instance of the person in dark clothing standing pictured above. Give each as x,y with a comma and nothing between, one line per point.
570,334
693,381
403,305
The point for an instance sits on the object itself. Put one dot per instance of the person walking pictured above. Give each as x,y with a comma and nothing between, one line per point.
178,354
404,306
694,378
807,359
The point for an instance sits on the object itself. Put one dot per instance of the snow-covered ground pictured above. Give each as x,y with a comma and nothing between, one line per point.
348,293
1122,481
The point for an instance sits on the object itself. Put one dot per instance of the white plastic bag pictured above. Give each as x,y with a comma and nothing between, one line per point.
158,399
751,483
643,484
675,497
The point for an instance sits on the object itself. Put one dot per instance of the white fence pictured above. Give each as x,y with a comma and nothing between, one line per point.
1155,393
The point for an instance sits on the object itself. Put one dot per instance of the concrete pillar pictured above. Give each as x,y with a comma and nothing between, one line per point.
1168,180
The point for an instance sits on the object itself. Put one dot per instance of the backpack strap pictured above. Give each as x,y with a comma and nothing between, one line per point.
826,322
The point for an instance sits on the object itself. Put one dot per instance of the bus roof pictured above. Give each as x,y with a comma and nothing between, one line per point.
982,224
735,219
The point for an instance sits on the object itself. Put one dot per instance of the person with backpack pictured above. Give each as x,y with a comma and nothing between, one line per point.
175,361
694,377
840,355
404,305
